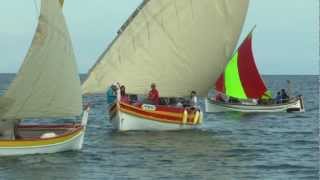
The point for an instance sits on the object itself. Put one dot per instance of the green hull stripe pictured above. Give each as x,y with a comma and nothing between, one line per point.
233,83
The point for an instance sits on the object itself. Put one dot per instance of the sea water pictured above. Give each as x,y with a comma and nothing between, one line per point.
227,146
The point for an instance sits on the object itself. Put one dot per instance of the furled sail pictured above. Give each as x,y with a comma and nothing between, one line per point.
241,78
173,43
47,84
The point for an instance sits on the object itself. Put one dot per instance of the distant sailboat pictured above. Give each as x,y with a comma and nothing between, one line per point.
175,44
47,86
241,80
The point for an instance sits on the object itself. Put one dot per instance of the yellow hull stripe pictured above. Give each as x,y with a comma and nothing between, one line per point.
39,142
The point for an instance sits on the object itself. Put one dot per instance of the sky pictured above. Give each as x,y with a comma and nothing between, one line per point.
286,40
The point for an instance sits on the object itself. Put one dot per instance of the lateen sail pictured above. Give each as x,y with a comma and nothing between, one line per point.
173,43
241,78
47,84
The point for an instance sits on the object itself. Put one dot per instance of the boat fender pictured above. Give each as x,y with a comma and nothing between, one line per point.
196,118
48,135
201,117
185,117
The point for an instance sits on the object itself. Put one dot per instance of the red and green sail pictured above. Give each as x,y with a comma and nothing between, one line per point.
241,78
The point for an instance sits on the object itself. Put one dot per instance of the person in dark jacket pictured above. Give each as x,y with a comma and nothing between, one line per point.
278,98
284,96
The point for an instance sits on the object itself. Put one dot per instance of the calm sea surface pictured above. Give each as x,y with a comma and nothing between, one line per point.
227,146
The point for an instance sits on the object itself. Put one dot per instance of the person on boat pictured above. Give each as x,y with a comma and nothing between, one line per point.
124,96
284,96
278,98
219,97
193,99
112,94
154,96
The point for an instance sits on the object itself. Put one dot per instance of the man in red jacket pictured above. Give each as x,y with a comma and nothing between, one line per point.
154,95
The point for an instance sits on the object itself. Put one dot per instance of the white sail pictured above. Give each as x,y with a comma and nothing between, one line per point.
181,45
47,84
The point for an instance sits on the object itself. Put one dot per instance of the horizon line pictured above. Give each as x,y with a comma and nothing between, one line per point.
260,74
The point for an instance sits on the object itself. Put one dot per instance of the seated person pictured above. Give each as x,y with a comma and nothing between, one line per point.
153,96
219,98
278,98
112,94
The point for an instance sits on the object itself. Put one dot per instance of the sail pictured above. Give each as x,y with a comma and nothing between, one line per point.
173,43
241,78
5,105
47,84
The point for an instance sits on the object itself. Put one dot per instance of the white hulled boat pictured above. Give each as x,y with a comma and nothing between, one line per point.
241,80
173,43
46,87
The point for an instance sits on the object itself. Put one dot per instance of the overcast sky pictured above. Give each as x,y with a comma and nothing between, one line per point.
286,40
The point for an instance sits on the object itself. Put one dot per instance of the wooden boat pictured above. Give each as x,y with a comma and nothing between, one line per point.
241,80
294,105
43,139
170,43
46,87
124,117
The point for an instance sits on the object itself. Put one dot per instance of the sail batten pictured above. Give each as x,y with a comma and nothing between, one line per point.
171,43
47,84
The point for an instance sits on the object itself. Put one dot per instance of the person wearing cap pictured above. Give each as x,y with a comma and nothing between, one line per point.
112,94
154,97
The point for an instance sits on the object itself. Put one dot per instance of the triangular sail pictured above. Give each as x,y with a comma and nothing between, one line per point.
173,43
241,78
47,84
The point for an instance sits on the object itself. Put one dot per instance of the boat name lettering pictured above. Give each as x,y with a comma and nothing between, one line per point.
148,107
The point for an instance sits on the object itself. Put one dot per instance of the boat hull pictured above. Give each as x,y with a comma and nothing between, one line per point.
73,141
124,117
296,105
31,139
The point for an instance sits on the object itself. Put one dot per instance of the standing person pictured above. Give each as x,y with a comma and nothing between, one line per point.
118,85
112,94
154,96
193,99
284,96
124,96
